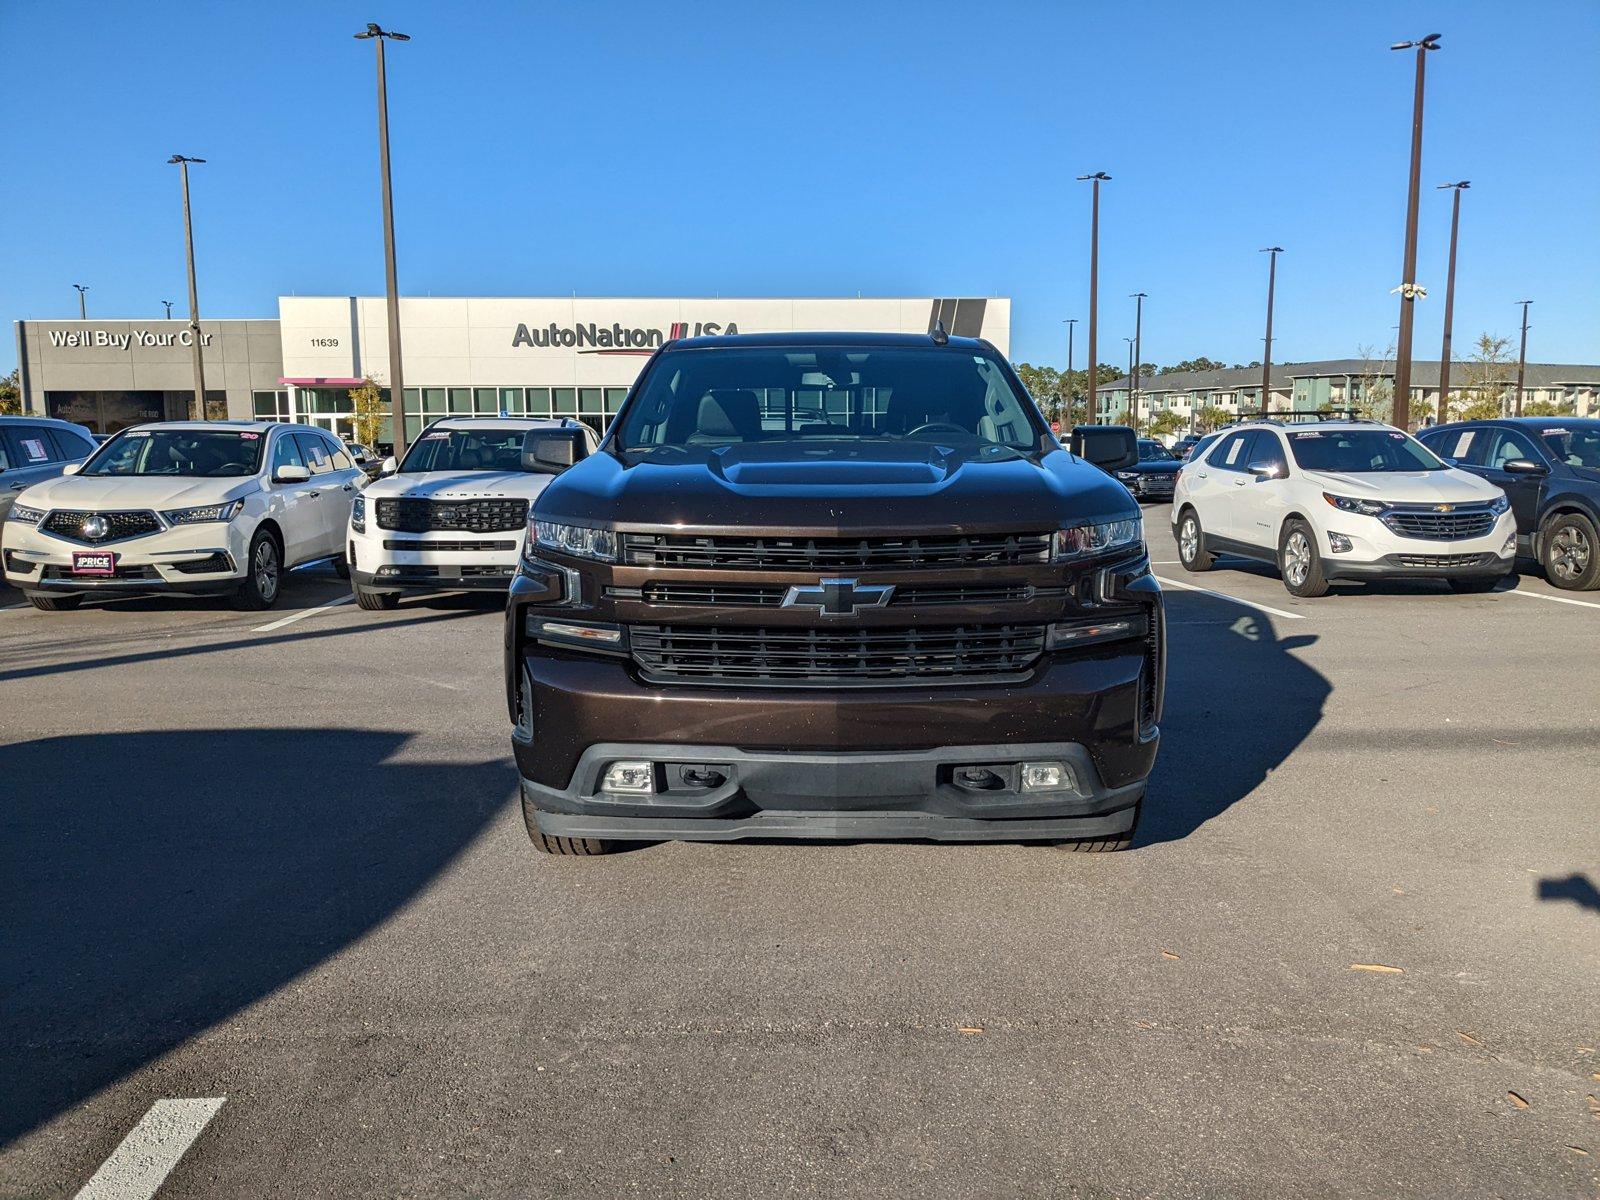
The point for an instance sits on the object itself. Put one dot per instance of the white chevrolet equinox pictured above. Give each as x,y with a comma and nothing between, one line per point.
455,512
1329,500
191,507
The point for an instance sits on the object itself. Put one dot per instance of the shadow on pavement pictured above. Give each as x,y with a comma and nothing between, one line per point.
153,884
1238,703
1576,888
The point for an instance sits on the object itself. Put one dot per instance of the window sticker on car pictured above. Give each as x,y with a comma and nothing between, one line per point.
137,433
1398,436
1556,432
34,449
1462,443
436,437
1233,450
249,437
1299,436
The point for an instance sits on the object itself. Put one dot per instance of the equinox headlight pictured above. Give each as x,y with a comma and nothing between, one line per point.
1079,541
1367,508
585,541
1499,504
358,514
24,515
204,512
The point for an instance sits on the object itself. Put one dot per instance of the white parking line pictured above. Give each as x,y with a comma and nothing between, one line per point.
301,615
138,1167
1277,612
1556,599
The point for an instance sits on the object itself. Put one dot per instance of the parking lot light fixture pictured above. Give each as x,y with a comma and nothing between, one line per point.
168,303
1266,357
199,412
1091,415
1408,272
378,36
1132,342
83,308
1071,395
1522,354
1443,413
1138,299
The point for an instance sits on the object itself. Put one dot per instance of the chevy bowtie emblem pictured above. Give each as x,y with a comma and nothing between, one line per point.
1444,508
95,527
838,597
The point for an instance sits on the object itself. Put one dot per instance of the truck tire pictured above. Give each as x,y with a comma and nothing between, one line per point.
1299,560
1196,557
376,601
570,847
54,603
1107,845
1569,552
263,575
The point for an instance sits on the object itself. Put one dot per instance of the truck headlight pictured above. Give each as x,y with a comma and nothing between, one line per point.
23,515
358,514
1367,508
204,512
584,541
1080,541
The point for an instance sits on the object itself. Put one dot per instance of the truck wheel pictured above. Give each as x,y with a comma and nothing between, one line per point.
54,603
1569,552
1299,562
1107,845
376,601
1192,552
263,575
572,847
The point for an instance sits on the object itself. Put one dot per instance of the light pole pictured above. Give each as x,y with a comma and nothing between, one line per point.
83,308
1138,299
1131,420
1266,359
396,384
1449,298
1408,283
194,295
168,303
1522,355
1069,323
1091,416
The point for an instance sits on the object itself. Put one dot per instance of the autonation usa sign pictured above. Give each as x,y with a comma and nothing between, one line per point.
616,338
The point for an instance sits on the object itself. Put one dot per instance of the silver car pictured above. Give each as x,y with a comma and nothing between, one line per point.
33,449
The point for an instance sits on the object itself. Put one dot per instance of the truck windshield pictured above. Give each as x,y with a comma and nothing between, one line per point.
722,397
1360,451
466,450
194,453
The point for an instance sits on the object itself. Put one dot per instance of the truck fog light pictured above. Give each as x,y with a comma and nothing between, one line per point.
630,778
1338,543
1045,777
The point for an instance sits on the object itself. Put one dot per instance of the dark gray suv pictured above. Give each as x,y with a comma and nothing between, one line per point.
33,449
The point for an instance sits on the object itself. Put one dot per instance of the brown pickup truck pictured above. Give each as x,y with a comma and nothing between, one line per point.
834,586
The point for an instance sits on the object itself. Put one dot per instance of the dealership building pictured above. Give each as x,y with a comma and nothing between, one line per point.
570,356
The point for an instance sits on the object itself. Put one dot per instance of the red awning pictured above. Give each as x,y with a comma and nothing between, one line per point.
343,381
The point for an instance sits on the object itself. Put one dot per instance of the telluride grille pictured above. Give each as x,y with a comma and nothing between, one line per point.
68,523
466,516
780,553
757,595
817,657
1454,526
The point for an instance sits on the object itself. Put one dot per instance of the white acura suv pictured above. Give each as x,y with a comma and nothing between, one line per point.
1327,500
191,507
454,514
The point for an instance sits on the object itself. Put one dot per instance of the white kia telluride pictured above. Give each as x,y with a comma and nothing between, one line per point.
1350,499
192,507
455,512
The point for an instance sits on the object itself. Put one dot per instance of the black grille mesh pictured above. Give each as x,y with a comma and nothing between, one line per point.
1454,526
68,523
778,553
406,515
758,595
1444,560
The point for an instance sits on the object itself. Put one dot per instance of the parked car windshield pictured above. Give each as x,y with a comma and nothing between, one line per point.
722,397
466,450
1358,451
191,453
1155,452
1576,443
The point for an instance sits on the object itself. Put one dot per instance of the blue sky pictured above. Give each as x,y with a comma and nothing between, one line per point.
820,149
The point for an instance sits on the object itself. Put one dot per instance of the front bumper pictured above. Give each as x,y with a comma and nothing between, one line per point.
386,560
196,560
1377,552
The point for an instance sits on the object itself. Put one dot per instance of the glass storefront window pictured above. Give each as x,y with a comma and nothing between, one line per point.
538,402
589,400
485,401
433,400
614,399
511,399
460,400
564,401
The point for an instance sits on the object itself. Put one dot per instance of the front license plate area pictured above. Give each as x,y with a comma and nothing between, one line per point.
94,562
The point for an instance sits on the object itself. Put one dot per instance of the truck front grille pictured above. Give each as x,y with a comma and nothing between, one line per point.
1431,525
407,515
417,545
68,523
828,657
831,554
757,595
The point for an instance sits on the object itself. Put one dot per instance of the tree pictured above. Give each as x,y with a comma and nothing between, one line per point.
1210,418
368,406
1163,423
1486,381
1374,398
11,394
1193,364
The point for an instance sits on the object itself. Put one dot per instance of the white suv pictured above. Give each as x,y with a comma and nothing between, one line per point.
192,507
1328,500
454,514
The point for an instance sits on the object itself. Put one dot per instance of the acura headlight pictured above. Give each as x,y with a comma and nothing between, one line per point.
358,514
24,515
1499,504
585,541
1367,508
204,512
1079,541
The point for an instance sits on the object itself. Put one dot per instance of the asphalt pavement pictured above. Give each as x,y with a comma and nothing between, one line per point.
270,923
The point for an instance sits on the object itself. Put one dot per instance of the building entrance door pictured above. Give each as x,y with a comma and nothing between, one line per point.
340,425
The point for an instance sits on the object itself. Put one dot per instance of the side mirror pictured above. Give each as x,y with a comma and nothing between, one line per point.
1109,447
291,474
1523,466
389,467
1263,471
550,453
72,468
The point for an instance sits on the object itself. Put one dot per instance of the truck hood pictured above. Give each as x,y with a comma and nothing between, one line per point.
837,487
459,485
1452,486
102,492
